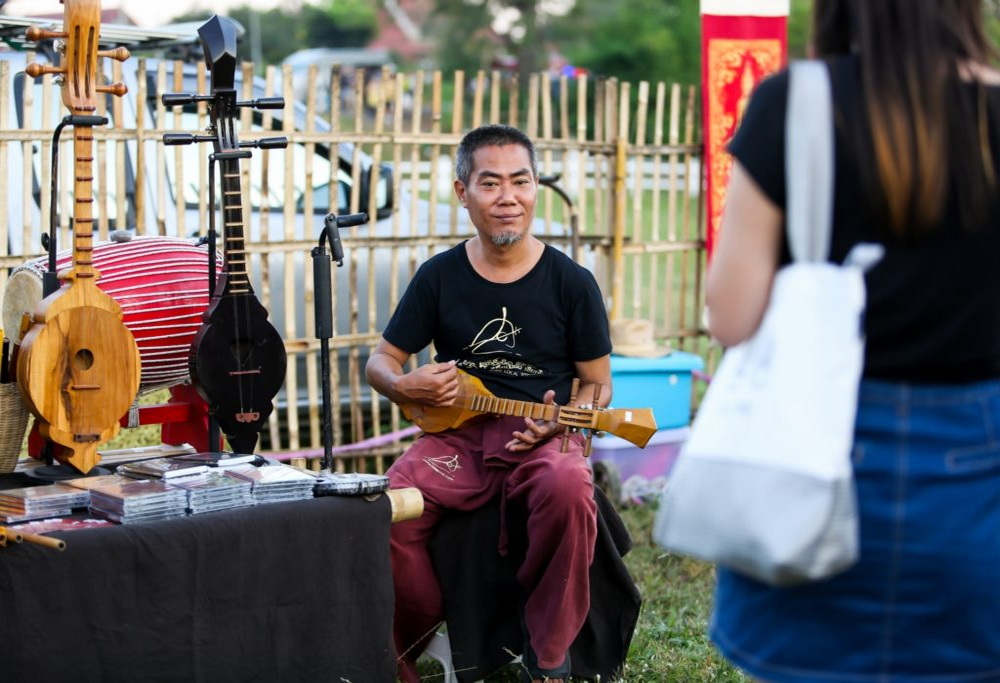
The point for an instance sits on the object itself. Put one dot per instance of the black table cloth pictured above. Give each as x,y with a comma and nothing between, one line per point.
296,591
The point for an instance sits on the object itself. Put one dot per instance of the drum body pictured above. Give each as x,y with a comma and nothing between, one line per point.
161,284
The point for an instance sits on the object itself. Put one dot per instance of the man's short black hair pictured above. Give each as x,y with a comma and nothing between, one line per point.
486,136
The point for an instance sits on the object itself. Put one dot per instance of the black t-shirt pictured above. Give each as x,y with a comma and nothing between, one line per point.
521,338
933,312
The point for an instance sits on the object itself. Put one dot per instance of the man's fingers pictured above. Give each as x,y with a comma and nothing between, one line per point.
442,367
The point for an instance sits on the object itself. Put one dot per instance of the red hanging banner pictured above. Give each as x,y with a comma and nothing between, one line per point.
741,42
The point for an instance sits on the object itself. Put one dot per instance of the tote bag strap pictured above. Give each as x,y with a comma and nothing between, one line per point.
809,161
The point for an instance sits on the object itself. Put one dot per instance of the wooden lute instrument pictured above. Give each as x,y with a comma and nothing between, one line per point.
237,358
78,365
636,426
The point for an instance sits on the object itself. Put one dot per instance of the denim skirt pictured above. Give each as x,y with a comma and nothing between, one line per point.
923,601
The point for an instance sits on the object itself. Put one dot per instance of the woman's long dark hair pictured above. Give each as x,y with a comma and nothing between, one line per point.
928,132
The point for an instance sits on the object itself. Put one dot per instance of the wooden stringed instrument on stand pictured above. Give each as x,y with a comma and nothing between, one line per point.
237,358
636,426
78,366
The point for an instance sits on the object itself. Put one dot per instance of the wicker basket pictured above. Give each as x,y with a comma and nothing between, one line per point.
13,423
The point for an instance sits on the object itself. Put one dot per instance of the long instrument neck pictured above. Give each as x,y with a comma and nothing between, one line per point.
509,406
83,194
237,281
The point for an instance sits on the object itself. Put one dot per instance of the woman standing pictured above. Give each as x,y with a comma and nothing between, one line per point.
917,138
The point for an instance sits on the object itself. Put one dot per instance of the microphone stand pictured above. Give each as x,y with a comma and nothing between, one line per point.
324,310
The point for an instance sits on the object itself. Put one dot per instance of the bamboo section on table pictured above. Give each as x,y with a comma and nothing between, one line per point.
406,503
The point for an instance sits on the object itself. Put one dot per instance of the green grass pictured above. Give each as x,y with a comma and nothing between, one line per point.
670,642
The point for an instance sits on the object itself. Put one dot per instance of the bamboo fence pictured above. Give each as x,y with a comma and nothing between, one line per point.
627,203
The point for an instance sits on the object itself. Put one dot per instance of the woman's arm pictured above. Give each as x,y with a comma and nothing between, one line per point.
745,260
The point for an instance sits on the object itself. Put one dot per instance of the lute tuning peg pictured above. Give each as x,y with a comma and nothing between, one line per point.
575,387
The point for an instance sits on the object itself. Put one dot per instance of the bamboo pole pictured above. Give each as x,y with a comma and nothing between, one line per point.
27,100
376,161
581,136
547,134
457,122
655,232
478,96
121,214
394,264
100,198
308,287
48,96
496,81
333,198
140,149
618,230
4,181
672,192
354,355
179,180
532,112
641,297
161,153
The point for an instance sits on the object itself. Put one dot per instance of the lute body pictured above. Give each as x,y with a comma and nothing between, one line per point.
78,366
238,365
636,426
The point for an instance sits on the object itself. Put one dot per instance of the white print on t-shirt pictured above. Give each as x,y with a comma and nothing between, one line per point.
498,330
502,366
445,465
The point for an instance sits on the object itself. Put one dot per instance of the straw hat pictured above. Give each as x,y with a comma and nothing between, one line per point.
634,337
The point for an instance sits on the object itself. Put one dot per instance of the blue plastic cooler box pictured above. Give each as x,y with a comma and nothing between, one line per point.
663,384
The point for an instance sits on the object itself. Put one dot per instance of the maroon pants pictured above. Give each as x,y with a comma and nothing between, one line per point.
462,470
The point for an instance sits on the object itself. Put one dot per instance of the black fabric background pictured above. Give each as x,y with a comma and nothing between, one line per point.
481,593
281,592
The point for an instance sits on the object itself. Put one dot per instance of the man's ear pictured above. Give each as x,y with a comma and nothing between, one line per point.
460,191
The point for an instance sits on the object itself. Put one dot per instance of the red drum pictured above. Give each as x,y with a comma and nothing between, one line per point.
161,283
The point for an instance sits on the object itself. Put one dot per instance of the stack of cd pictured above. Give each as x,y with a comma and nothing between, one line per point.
276,483
215,491
38,502
349,483
127,501
161,468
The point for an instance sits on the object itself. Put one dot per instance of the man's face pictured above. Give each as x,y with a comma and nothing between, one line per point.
501,193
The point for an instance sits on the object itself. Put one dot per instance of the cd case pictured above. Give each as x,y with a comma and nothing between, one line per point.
349,483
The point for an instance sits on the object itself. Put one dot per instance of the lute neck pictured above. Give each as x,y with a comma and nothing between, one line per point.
509,406
234,240
83,198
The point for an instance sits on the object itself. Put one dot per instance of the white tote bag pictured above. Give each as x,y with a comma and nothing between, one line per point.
764,483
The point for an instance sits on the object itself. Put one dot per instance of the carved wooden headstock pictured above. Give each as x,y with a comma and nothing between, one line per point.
79,47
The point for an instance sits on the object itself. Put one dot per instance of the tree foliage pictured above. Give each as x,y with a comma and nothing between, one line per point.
280,32
640,39
635,40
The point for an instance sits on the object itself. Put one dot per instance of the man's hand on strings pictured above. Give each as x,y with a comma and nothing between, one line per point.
434,384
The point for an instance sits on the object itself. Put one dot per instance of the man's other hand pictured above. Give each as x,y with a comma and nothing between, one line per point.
536,431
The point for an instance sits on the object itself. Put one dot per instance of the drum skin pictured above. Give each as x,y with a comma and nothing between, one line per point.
161,284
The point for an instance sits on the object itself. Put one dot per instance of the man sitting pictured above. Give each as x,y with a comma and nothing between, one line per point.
526,320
